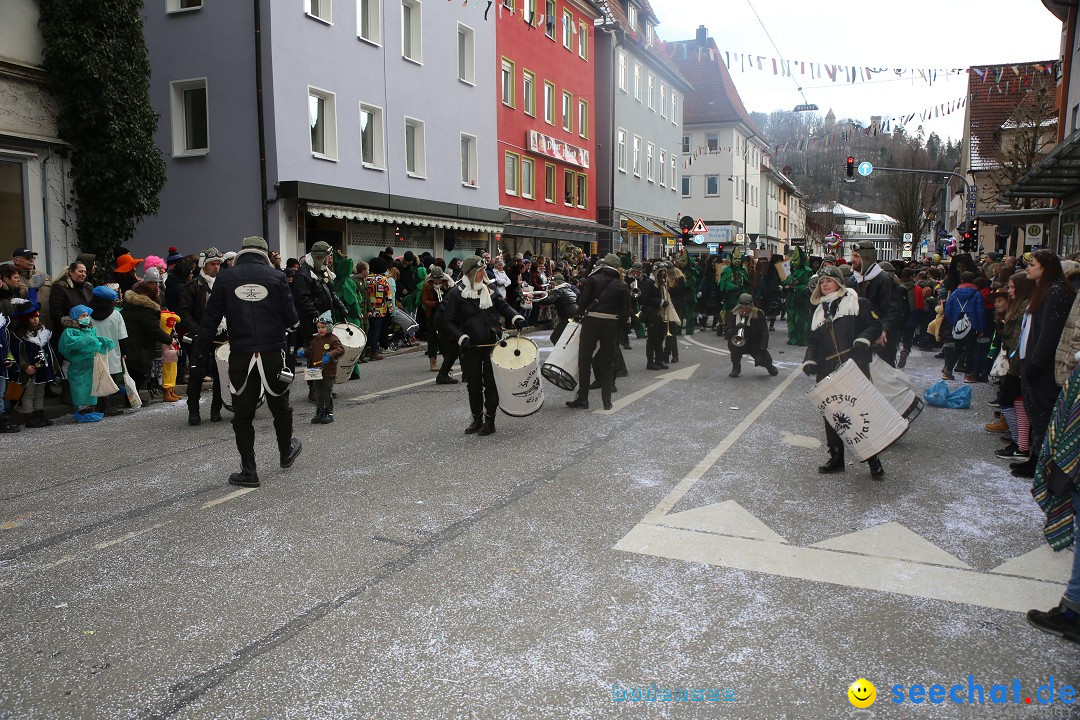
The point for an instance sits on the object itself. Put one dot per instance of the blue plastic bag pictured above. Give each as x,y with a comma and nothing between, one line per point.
939,395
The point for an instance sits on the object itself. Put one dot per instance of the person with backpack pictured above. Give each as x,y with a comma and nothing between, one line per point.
965,316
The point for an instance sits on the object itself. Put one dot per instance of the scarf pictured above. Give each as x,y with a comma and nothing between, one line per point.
820,313
874,271
473,291
1062,448
324,269
40,338
209,280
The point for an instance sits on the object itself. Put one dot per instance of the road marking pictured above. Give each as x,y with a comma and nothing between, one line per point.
892,540
380,393
1042,563
728,517
707,348
662,380
129,536
716,453
803,441
226,498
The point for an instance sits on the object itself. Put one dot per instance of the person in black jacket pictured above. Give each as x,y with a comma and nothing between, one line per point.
1040,334
470,317
192,307
258,306
605,301
564,300
313,292
753,340
877,286
843,327
655,313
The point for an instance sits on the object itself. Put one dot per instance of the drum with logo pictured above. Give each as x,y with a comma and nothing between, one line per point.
515,365
354,339
857,411
561,367
221,366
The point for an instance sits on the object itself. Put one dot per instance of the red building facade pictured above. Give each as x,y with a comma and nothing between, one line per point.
546,123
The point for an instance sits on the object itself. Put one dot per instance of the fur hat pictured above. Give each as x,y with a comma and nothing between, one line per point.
746,299
833,273
210,254
470,265
866,251
436,273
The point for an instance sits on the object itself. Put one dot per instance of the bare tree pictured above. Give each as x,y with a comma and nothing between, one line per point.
1025,138
909,196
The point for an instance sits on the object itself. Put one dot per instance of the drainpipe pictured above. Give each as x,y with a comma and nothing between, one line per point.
261,120
45,210
611,133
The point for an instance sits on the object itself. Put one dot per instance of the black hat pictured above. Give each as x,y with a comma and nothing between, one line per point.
23,253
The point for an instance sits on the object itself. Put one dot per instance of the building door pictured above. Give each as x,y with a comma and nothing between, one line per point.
12,208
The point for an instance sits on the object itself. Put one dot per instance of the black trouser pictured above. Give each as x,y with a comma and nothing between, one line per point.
1039,396
834,442
450,349
671,342
195,385
480,379
324,393
244,405
962,349
599,337
656,332
887,352
560,325
761,357
433,333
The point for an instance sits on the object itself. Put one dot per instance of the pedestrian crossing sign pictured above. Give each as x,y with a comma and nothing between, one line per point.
699,228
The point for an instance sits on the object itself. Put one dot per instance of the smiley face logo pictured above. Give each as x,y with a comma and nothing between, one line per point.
862,693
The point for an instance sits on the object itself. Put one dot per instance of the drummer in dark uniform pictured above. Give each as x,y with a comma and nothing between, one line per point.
255,299
471,313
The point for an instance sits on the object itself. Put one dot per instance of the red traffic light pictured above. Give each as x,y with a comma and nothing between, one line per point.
851,161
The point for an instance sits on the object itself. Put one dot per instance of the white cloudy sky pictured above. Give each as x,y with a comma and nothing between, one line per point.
917,33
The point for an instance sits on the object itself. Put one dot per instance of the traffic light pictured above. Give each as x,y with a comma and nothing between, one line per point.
686,224
967,238
851,167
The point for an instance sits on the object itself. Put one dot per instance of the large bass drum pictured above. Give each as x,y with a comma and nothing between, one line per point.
515,365
354,339
857,411
561,367
221,366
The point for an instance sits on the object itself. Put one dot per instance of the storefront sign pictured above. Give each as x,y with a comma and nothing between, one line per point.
549,146
719,234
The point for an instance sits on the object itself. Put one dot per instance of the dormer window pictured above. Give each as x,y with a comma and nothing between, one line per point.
648,33
631,14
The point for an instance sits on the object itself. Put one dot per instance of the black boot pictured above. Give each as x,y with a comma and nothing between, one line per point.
651,365
7,426
1024,469
289,454
772,370
193,417
445,379
835,464
317,419
578,402
474,425
876,471
35,419
247,477
736,369
215,412
489,425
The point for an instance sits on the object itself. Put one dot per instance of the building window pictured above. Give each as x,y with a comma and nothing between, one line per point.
1075,111
466,54
507,83
371,137
674,107
567,112
508,4
685,186
528,93
549,182
13,206
582,190
631,14
530,18
622,71
511,184
712,141
583,118
712,185
622,150
637,82
190,118
652,92
568,188
583,41
663,100
637,156
673,175
549,19
567,29
528,178
650,174
319,9
663,167
415,148
411,21
182,5
369,20
468,160
686,143
549,103
322,116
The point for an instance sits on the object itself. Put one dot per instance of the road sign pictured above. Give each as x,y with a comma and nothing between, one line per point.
699,239
907,249
909,237
740,238
699,228
865,168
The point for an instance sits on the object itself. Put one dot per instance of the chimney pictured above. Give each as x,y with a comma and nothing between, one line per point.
702,36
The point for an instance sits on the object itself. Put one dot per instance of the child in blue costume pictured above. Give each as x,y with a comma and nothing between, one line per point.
79,344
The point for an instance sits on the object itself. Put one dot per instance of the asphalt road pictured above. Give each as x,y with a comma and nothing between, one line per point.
404,570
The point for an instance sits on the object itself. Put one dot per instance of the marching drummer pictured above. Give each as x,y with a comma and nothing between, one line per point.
747,333
471,313
843,327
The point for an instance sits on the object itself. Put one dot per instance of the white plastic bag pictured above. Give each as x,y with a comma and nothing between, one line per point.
132,391
103,385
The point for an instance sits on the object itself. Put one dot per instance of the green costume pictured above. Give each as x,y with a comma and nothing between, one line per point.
734,281
798,304
347,291
79,346
690,271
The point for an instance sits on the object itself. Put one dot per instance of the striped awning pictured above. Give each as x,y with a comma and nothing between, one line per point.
400,218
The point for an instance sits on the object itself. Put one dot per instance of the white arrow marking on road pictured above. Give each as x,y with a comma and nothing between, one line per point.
683,374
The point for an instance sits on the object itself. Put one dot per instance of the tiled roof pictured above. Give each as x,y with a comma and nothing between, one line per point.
656,49
990,105
715,99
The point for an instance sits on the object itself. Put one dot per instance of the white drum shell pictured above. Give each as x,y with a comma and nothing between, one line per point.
857,410
516,368
561,367
354,339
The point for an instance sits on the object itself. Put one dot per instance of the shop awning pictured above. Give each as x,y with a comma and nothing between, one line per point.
531,223
642,224
1055,176
1016,217
400,218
